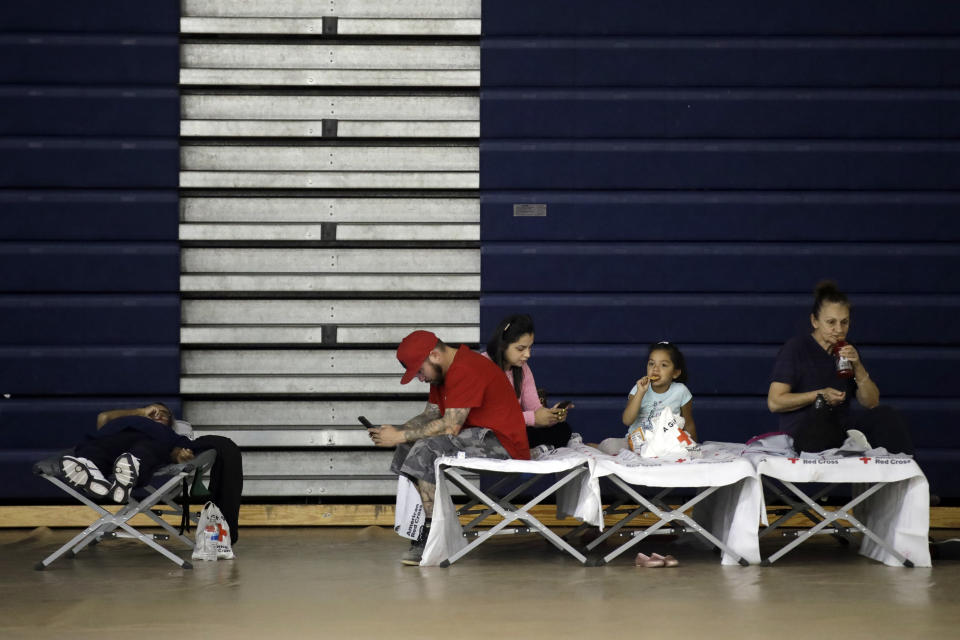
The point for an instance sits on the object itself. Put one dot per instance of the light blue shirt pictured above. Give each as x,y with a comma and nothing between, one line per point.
653,403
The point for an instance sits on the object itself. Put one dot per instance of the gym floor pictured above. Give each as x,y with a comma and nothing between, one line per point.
348,583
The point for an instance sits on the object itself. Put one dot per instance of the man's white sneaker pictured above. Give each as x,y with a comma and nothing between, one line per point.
126,469
126,472
83,474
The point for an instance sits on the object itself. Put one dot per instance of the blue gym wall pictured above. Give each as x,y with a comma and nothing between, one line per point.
89,259
703,165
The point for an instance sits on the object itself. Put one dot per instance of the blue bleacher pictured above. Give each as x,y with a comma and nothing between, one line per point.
701,167
89,211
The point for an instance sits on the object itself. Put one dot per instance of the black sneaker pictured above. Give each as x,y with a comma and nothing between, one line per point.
412,556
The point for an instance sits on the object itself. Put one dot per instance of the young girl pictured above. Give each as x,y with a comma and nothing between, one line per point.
510,346
663,386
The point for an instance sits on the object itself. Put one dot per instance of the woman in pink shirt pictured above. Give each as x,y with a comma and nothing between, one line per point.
510,347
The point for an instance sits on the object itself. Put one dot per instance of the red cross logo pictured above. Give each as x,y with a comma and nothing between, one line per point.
216,532
793,460
865,460
682,460
684,438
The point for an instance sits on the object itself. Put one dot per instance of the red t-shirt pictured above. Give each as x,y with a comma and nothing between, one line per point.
476,383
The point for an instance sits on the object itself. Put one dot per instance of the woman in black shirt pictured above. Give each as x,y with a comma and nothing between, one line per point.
811,397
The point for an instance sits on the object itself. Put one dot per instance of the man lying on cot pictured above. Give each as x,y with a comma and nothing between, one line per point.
130,444
472,408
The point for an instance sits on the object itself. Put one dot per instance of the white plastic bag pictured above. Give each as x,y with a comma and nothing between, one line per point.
213,536
666,436
409,516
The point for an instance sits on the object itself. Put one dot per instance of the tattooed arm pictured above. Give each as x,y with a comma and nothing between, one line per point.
449,424
430,412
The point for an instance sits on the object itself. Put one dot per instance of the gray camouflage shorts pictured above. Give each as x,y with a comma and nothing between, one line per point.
417,460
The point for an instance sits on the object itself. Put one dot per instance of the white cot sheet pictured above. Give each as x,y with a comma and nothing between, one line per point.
899,513
731,513
581,496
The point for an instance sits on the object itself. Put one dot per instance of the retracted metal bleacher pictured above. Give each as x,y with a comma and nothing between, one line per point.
311,156
329,207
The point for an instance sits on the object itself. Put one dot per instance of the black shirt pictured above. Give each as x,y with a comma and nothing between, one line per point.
804,365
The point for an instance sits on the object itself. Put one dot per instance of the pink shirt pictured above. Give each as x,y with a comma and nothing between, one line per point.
529,400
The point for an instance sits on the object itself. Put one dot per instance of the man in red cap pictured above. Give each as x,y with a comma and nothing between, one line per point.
472,408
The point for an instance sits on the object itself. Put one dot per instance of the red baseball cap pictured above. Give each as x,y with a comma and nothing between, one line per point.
413,350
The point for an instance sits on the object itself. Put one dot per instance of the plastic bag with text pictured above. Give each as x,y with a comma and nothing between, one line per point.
666,436
409,517
213,536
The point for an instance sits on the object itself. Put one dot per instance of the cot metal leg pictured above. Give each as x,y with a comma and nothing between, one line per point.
128,511
503,501
626,519
665,517
557,541
870,534
108,522
510,514
173,531
467,509
90,532
827,518
473,502
176,511
612,509
149,541
158,495
841,533
86,536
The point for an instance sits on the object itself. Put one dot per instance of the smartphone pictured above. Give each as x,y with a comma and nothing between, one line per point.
564,404
366,422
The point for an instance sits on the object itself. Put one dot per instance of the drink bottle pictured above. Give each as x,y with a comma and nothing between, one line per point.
844,367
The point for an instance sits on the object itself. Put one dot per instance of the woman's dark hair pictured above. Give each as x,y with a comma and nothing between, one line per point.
675,357
827,291
507,332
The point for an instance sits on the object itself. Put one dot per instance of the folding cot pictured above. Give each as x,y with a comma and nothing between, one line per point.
107,525
727,505
889,503
573,486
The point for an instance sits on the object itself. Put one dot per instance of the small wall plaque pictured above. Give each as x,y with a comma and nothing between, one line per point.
529,211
